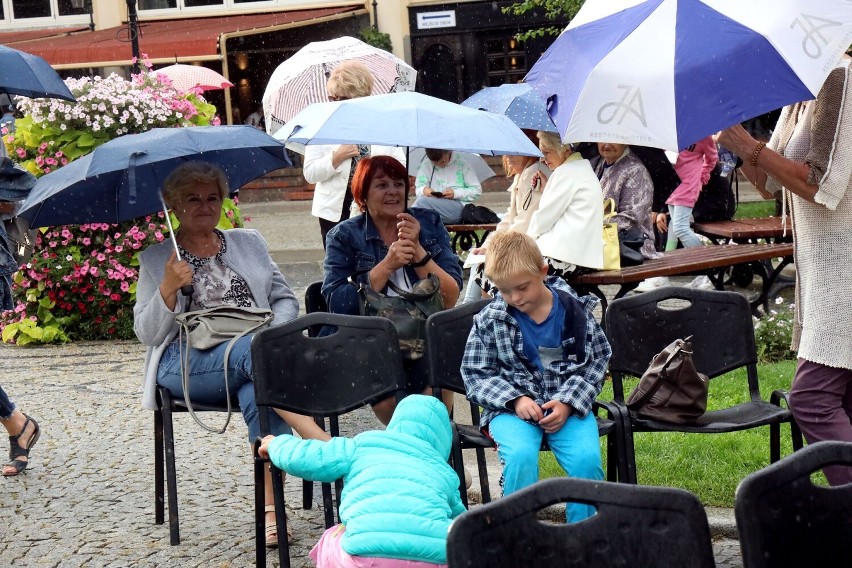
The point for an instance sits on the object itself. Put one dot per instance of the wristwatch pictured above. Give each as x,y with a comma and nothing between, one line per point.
423,261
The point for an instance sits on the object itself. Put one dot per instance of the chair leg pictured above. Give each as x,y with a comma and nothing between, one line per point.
484,484
171,471
259,509
457,462
159,477
774,442
327,505
280,518
796,435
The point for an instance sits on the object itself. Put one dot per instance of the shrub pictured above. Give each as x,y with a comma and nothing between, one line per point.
774,332
81,281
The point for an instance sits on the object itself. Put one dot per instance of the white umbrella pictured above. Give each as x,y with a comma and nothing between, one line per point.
667,73
406,119
300,80
187,77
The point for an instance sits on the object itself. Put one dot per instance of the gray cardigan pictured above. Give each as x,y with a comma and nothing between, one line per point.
246,253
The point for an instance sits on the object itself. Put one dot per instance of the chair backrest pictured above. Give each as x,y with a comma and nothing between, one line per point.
785,520
640,326
634,526
446,337
358,363
314,300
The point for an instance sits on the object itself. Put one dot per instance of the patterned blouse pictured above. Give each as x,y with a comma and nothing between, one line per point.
214,282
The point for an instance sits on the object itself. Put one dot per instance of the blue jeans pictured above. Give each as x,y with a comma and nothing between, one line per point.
680,228
575,447
7,407
207,381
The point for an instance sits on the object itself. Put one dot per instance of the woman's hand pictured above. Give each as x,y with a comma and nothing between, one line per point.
408,227
177,274
343,152
263,450
538,181
661,220
400,253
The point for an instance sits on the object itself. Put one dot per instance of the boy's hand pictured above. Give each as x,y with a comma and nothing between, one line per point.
559,413
263,450
527,409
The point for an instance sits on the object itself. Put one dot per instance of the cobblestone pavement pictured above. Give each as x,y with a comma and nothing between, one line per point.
87,499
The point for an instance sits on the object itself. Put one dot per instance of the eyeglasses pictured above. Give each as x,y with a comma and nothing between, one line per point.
334,99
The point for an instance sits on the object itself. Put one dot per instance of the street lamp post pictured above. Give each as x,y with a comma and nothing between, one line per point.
133,25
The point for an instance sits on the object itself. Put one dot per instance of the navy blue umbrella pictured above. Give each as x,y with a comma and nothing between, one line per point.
123,178
518,101
29,75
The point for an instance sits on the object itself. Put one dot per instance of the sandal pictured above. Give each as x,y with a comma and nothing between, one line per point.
16,451
272,531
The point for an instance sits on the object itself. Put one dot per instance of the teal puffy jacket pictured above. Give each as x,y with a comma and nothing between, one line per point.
399,494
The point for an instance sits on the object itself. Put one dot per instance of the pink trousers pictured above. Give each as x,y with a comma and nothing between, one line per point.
327,553
821,401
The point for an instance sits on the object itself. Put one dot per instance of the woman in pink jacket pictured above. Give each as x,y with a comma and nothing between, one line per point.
693,165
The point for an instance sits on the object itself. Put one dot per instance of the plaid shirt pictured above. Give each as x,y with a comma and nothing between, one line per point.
496,371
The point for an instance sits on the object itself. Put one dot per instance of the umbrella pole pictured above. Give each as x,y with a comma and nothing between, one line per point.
185,290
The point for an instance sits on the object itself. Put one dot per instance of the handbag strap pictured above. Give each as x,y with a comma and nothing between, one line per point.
646,396
413,296
184,369
610,202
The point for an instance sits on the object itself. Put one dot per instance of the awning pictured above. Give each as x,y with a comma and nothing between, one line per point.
170,41
10,37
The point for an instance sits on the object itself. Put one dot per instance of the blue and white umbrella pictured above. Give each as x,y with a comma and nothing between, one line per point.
666,73
406,119
518,101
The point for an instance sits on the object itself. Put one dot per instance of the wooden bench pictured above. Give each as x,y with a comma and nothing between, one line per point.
770,229
466,237
710,260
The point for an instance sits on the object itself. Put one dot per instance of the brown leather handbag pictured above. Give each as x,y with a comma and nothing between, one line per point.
671,390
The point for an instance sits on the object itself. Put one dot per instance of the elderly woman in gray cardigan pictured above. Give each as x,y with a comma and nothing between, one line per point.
224,268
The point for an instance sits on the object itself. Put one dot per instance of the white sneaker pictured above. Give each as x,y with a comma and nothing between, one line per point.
652,284
702,283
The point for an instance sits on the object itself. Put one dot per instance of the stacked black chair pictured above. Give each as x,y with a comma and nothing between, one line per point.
326,376
785,521
446,337
720,323
164,457
633,526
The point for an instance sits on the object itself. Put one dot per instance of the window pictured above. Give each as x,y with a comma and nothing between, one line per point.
506,61
29,10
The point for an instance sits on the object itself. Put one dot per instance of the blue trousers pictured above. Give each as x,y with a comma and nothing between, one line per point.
680,229
7,407
207,381
450,210
575,446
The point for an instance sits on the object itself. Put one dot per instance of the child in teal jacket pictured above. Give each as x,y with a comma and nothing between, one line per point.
399,493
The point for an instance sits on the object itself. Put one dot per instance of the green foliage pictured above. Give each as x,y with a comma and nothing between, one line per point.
774,332
376,38
755,209
553,10
81,281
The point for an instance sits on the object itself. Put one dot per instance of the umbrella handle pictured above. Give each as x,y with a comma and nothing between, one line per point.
185,290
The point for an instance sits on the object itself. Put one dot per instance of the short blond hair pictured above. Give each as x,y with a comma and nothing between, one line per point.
510,254
187,176
551,141
351,79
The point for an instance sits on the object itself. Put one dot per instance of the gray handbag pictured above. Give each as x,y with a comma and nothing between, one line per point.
205,329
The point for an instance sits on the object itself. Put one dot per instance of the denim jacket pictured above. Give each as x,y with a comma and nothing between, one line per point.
354,247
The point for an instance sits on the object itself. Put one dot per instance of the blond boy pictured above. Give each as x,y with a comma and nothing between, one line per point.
535,361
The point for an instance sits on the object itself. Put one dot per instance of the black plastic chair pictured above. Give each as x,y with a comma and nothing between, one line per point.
358,364
784,520
634,526
446,336
164,457
720,323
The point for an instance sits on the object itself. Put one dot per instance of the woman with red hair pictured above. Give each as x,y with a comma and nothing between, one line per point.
388,243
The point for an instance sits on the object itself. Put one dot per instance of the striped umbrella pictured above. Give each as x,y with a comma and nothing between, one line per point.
187,77
300,80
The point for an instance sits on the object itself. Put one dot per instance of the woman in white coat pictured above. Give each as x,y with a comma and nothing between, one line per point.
330,167
568,225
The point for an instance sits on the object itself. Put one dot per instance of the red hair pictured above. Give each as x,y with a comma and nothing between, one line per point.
370,167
